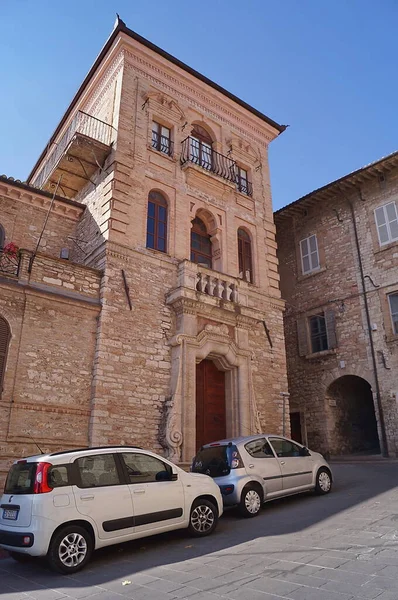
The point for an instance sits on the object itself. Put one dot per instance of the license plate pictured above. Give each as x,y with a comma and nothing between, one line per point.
10,514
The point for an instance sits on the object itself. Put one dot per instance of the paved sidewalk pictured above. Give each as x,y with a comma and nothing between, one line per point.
339,547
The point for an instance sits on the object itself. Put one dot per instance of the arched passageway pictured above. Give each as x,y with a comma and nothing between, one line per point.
352,426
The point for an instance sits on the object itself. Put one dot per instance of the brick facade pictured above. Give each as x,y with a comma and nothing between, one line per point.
322,384
141,360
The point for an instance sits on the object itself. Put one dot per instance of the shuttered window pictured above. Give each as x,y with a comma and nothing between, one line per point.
316,333
4,342
387,223
393,300
309,254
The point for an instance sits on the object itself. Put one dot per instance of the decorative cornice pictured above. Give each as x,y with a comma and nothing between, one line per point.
105,83
194,97
30,197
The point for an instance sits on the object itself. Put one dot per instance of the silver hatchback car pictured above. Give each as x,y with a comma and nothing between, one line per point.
258,468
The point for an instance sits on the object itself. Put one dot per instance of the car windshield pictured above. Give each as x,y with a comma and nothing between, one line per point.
21,478
212,461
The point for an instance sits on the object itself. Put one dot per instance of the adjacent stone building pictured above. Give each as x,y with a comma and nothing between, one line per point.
162,325
338,254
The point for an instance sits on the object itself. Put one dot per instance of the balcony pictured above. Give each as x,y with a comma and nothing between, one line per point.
208,159
9,264
80,152
197,282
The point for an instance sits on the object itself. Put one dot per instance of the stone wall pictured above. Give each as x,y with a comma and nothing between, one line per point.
337,286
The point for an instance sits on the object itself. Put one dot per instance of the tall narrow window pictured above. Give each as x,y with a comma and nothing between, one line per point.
393,300
309,254
201,148
2,237
245,256
201,251
242,181
156,233
387,223
318,333
4,342
161,138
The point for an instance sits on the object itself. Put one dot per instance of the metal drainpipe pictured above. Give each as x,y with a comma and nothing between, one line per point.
372,348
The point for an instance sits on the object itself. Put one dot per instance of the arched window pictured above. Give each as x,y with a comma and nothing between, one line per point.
201,147
201,252
156,231
2,236
245,256
5,337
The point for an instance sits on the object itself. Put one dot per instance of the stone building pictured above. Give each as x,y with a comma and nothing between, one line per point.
338,254
163,323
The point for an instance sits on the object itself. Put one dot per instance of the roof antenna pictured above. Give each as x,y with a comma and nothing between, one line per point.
34,441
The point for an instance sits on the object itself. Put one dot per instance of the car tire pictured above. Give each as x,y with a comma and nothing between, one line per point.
323,483
250,501
203,518
70,549
20,557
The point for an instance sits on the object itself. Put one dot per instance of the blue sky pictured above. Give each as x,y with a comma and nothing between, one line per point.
325,68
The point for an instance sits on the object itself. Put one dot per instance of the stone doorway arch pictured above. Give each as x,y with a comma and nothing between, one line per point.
351,417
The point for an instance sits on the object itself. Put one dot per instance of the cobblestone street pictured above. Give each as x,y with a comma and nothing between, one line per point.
338,547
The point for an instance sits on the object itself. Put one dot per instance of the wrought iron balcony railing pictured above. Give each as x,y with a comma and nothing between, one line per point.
82,124
162,143
207,158
204,156
9,264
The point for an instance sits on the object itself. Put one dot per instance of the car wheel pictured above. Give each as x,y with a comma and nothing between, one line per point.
203,518
70,549
20,557
323,483
251,501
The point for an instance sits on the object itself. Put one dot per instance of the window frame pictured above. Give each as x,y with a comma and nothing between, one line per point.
200,252
127,477
283,440
77,475
324,334
386,223
266,441
394,323
243,256
203,155
311,269
4,354
243,188
156,144
2,237
159,202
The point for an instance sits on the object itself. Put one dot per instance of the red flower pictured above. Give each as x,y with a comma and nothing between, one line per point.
11,249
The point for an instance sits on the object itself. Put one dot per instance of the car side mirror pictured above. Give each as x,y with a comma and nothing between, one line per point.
304,451
174,477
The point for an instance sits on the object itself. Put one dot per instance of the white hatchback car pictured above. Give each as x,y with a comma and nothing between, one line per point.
66,504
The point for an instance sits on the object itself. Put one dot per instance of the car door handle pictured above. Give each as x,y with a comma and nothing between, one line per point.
251,466
87,497
139,491
283,462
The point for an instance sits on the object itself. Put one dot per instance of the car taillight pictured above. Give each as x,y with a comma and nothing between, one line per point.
41,486
236,461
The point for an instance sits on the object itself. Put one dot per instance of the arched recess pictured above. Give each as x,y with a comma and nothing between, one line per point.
206,240
351,417
201,146
245,255
157,219
5,337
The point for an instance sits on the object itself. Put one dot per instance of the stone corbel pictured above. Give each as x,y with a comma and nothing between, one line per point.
171,433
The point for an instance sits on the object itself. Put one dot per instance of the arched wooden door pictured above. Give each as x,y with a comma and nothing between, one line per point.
210,403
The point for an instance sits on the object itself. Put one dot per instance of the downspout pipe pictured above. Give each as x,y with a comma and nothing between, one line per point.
370,332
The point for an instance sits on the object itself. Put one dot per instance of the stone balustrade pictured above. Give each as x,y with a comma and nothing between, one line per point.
217,287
